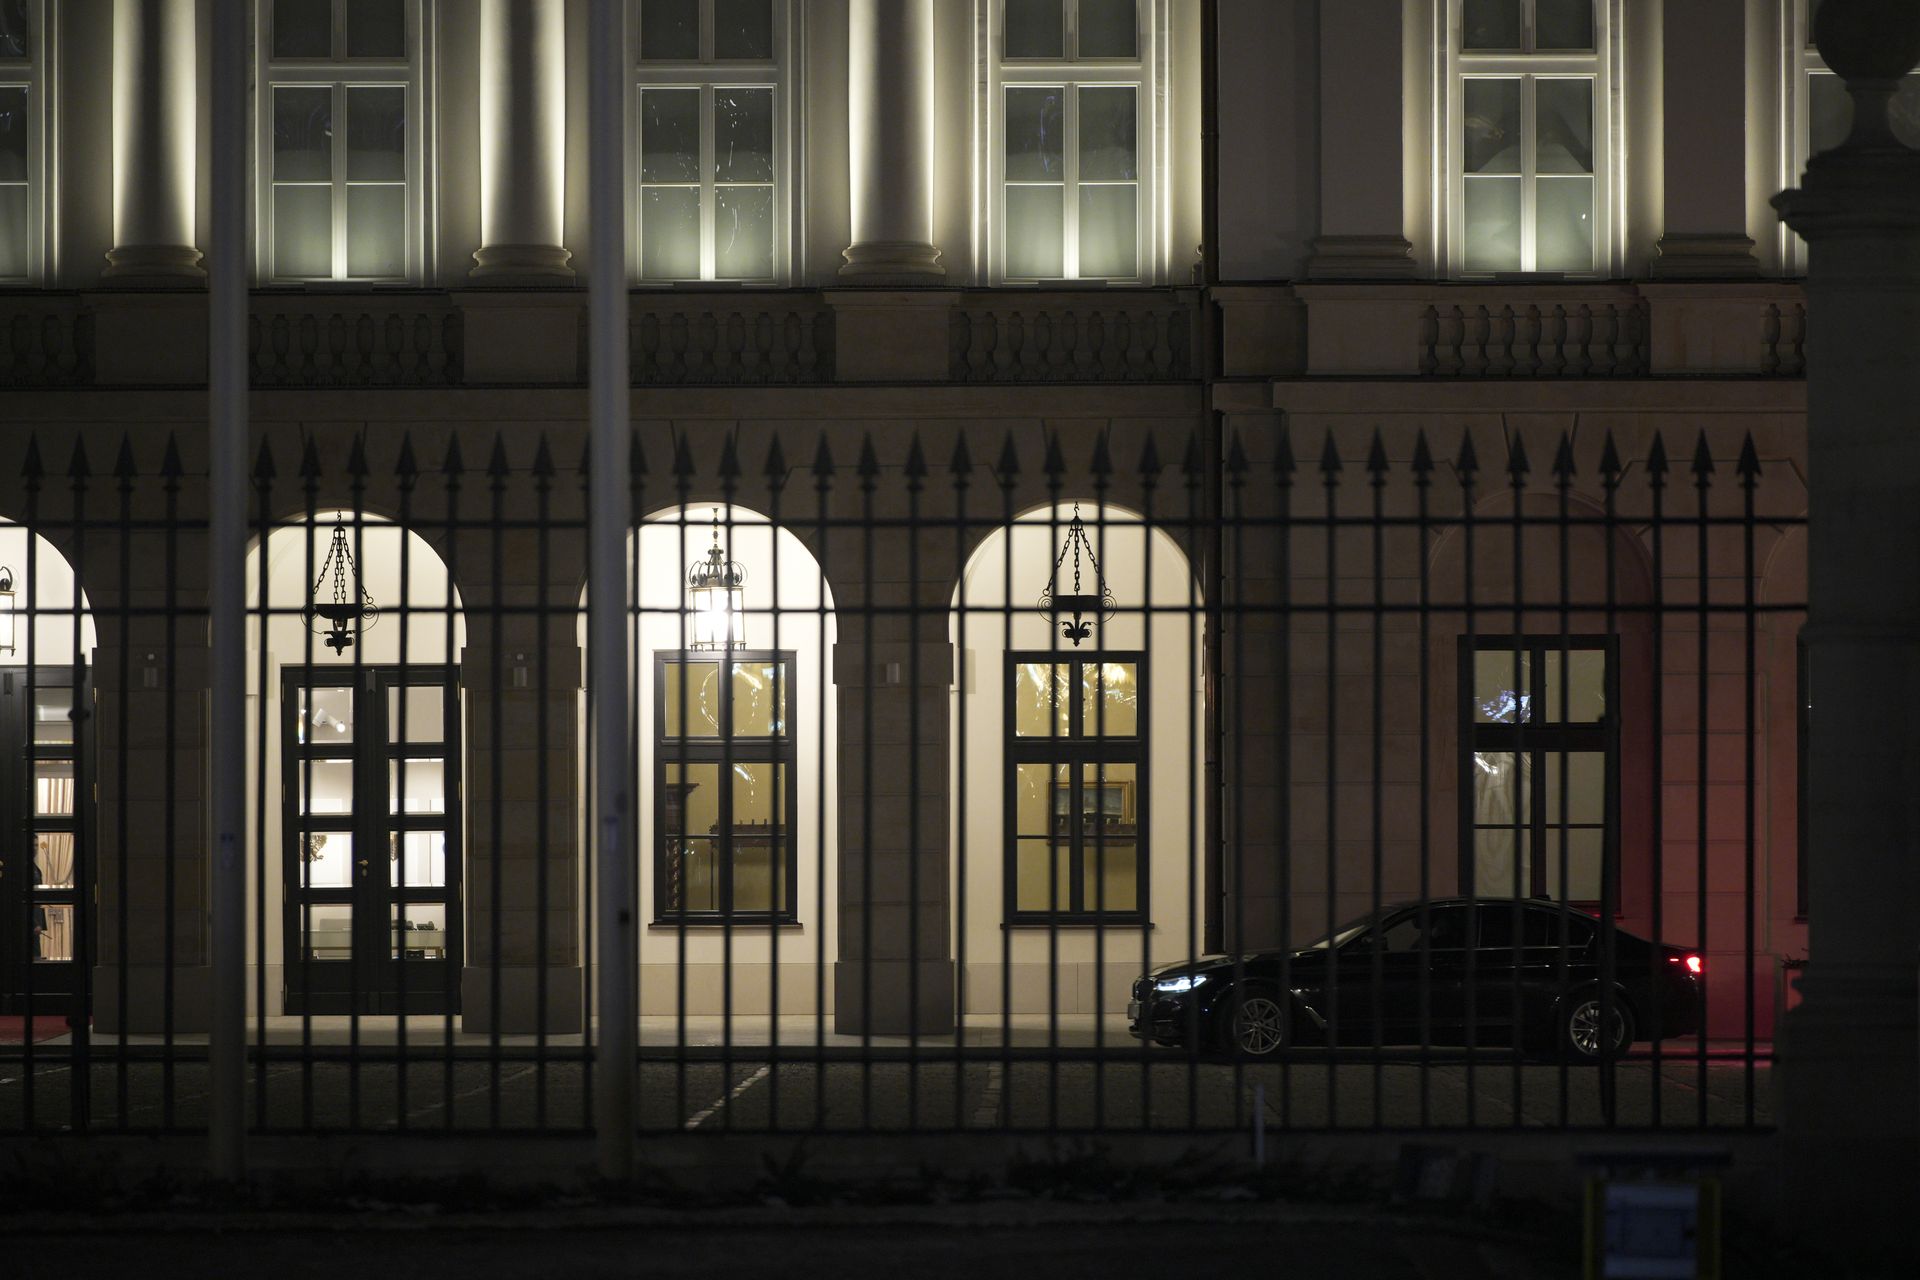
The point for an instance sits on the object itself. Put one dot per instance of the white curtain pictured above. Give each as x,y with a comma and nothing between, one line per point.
1498,793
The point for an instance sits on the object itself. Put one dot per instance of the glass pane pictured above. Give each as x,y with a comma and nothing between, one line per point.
670,135
13,133
670,30
1577,789
1585,853
690,819
377,232
328,863
743,135
16,232
743,233
425,707
325,716
1492,126
1563,224
53,860
1500,793
691,802
759,799
1493,224
52,717
743,29
53,933
1110,873
376,29
1502,679
16,33
1042,701
1108,138
422,783
419,930
1034,889
303,28
1036,131
1495,863
1490,24
692,690
377,134
1583,698
1033,789
760,834
1563,24
331,785
53,788
1110,232
761,692
1110,699
419,858
1564,121
303,133
670,233
1108,800
303,232
1108,29
328,931
1035,241
1035,29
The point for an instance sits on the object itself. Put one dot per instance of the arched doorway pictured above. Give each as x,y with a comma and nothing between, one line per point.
46,812
357,705
1078,762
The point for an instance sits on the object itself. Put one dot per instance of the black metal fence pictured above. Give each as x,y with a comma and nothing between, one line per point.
1133,778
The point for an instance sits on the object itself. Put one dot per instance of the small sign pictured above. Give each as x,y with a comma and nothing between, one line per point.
1653,1230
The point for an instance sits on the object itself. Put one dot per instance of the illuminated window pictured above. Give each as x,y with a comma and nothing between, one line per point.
714,139
1076,818
23,140
1529,168
1539,768
1076,123
340,140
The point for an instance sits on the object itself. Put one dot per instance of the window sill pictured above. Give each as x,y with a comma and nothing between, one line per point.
1133,924
710,925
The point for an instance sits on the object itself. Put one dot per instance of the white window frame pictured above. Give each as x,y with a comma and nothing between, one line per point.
1147,74
707,74
1602,66
341,74
36,73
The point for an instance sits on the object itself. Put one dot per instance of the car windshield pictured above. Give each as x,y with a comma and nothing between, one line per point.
1344,934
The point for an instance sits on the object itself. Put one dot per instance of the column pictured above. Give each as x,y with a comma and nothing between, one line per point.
154,134
890,142
1850,1062
1362,147
523,126
1704,77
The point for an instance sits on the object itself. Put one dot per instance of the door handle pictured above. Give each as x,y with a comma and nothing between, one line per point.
363,866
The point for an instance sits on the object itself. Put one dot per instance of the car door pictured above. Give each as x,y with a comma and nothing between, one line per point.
1518,983
1404,977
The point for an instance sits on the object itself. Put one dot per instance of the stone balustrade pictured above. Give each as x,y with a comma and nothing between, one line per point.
1108,336
698,339
300,340
46,340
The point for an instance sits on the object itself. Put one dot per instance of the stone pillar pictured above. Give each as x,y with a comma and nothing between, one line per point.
155,131
1850,1063
890,142
1704,74
523,143
1362,145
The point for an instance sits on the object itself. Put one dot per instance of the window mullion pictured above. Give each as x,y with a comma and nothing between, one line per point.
1070,175
1529,171
339,183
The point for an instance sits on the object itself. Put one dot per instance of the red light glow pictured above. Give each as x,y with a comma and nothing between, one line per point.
1695,965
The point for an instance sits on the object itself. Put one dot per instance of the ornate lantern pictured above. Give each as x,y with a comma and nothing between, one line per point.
344,605
714,585
1087,603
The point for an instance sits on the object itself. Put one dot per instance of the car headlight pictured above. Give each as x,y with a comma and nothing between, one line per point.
1176,985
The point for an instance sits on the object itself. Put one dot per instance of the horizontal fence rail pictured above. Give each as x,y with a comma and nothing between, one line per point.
1129,780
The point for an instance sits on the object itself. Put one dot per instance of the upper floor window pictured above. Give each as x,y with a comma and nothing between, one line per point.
1075,124
715,140
23,136
1529,160
340,160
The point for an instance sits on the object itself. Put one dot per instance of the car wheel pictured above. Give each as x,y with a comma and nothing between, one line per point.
1258,1028
1580,1028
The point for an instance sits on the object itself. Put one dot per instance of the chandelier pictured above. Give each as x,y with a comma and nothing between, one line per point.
1079,609
714,585
345,605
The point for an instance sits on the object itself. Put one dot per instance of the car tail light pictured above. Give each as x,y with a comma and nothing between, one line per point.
1695,965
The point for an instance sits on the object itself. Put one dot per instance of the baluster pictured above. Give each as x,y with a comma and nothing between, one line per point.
1429,341
1501,357
1770,340
452,347
1557,342
363,349
1079,328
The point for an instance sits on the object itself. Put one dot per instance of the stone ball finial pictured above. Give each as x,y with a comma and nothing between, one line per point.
1869,39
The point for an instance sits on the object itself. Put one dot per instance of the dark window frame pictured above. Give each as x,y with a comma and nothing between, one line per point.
725,750
1077,749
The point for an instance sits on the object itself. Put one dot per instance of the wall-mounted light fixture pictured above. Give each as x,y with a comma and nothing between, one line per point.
1087,603
7,597
342,605
714,585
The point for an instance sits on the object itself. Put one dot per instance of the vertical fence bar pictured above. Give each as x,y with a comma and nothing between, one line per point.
607,519
226,575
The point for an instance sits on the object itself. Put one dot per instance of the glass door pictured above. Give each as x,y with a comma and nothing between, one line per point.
43,937
371,839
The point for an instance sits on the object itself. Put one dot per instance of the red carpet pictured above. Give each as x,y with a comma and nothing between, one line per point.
13,1028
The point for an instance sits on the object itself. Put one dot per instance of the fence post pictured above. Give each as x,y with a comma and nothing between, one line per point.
608,519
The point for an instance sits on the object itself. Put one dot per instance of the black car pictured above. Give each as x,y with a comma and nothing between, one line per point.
1430,971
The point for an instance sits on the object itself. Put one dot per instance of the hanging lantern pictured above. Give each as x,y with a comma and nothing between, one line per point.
1087,603
342,606
715,587
7,595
